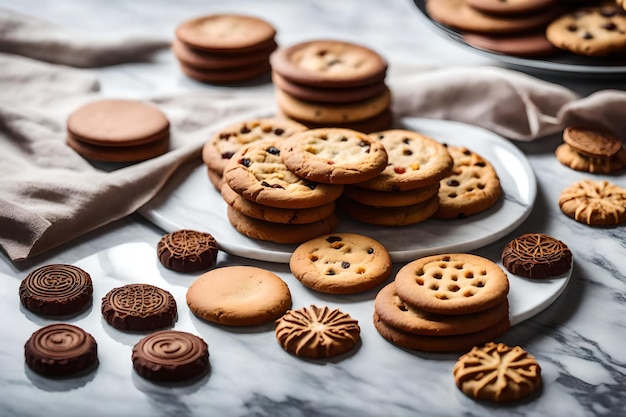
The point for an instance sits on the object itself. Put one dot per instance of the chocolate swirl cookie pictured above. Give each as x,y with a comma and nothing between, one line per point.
170,355
56,290
187,251
60,350
317,333
139,307
536,255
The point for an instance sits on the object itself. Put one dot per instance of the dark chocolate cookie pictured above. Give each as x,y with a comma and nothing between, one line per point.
536,255
187,251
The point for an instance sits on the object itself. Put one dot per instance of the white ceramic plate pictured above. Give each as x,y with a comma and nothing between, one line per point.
189,201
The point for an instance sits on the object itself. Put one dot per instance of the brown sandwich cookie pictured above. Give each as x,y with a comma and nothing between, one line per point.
536,255
187,251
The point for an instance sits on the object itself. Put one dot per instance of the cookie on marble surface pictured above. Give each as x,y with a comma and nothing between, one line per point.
498,373
56,290
139,308
536,255
390,198
187,251
257,172
590,141
390,216
171,356
341,263
472,187
595,203
61,350
454,283
239,296
573,159
510,7
334,156
524,44
317,332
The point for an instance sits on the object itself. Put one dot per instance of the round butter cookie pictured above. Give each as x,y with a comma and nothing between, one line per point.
573,159
498,373
455,283
536,255
341,263
187,251
317,332
239,296
591,141
257,173
334,156
390,216
595,203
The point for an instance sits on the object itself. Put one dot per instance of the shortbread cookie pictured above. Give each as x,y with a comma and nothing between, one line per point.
472,187
396,313
592,31
341,263
317,332
239,296
439,344
455,283
198,58
273,214
187,251
56,290
536,255
524,44
510,7
334,156
573,159
498,373
225,76
390,198
390,216
257,172
329,63
593,142
596,203
171,356
60,350
414,161
281,233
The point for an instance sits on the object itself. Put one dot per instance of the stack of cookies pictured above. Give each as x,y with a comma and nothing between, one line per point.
329,83
444,303
406,191
224,48
592,150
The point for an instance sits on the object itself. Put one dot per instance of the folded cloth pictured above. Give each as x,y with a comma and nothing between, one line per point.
39,39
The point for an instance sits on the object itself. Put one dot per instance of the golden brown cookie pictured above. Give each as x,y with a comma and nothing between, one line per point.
573,159
510,7
455,283
498,373
390,198
341,263
536,255
334,156
377,123
524,44
317,333
596,203
592,142
472,187
390,216
239,296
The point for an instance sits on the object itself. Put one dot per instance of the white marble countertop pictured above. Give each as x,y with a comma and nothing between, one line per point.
578,340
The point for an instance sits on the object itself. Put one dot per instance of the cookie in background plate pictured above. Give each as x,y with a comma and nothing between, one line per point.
187,251
595,203
537,256
510,7
524,44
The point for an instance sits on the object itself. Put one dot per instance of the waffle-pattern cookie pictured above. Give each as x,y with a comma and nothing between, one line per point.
595,203
498,373
536,255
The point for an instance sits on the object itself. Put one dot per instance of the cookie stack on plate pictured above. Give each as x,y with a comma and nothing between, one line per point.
330,83
224,48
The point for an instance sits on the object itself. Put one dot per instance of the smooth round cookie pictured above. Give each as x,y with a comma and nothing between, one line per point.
525,44
122,153
472,187
225,76
197,58
56,290
171,356
334,156
454,283
187,251
139,308
510,7
257,172
591,141
227,141
573,159
390,216
498,373
239,296
595,203
390,198
60,350
329,64
536,255
341,263
317,332
414,161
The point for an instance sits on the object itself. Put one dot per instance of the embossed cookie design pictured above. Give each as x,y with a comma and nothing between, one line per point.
536,255
596,203
187,251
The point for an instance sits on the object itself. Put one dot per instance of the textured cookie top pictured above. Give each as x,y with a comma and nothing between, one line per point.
187,250
334,155
317,332
257,172
118,123
592,141
455,283
498,373
594,202
536,255
414,161
139,307
329,63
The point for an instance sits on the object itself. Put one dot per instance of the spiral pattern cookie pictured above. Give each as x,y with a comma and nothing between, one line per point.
56,290
317,332
595,203
60,350
498,373
536,255
187,251
139,307
171,355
